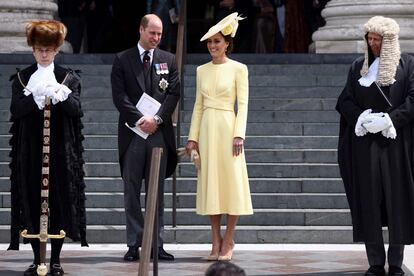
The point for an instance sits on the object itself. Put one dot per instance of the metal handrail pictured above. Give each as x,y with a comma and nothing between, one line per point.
180,55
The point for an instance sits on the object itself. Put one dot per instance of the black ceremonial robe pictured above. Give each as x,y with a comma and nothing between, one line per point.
378,172
66,190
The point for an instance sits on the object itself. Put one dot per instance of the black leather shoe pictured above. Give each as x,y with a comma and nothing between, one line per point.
31,270
395,271
56,270
375,270
132,254
163,255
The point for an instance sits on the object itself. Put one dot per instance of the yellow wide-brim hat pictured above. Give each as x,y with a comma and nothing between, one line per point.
227,26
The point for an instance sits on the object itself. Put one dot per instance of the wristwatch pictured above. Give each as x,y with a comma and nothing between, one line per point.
158,119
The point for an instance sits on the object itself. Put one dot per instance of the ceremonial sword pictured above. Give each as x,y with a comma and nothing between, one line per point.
43,235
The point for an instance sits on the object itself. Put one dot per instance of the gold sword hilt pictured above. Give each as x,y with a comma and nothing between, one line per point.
43,236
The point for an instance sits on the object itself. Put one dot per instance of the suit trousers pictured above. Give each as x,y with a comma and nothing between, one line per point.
136,168
376,254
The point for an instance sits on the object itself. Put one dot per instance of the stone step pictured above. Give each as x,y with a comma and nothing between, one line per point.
287,69
97,116
287,142
202,234
282,59
252,155
260,92
189,185
283,217
88,70
279,104
102,104
5,104
262,129
256,170
289,92
188,200
281,81
276,82
288,129
280,116
252,142
272,170
106,104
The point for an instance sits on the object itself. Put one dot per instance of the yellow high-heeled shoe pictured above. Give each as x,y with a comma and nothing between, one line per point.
215,251
229,254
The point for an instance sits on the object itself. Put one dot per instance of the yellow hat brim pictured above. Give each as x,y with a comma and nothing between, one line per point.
221,25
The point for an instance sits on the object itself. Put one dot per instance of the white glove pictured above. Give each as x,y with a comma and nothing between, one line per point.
37,89
62,94
359,129
57,92
390,132
378,123
40,101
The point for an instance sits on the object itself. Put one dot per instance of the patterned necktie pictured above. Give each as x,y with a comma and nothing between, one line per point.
146,60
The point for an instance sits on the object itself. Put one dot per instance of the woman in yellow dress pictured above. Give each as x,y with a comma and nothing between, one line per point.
217,133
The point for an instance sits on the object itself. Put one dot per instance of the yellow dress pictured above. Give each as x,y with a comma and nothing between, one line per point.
222,181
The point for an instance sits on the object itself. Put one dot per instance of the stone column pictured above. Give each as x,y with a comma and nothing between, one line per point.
343,32
14,14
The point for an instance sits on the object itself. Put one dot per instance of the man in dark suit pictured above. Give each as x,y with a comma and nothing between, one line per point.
144,68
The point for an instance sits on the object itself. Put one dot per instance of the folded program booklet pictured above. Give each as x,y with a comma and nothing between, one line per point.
148,106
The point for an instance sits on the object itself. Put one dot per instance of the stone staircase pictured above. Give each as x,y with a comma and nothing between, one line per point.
290,150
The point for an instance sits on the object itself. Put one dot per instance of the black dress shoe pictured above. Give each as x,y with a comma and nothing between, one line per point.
31,270
375,270
395,271
56,270
132,254
163,255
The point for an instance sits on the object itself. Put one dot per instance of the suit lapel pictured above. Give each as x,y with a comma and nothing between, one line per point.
137,68
155,76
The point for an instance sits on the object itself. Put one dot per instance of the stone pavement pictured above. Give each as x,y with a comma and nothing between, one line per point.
255,259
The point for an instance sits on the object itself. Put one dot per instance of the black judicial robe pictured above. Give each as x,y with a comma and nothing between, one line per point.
378,172
66,190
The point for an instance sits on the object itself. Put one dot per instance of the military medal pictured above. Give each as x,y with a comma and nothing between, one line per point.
157,68
163,84
164,68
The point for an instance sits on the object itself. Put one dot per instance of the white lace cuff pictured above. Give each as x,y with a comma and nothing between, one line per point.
390,132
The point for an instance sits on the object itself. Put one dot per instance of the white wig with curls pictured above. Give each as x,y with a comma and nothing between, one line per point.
390,48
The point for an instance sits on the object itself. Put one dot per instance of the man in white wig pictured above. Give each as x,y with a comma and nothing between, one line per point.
376,146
